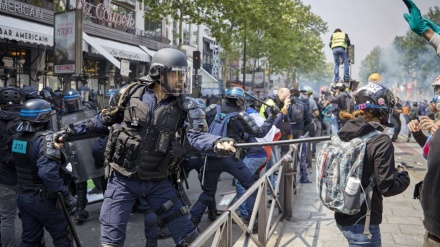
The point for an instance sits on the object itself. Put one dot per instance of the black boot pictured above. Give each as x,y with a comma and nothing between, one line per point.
81,191
212,210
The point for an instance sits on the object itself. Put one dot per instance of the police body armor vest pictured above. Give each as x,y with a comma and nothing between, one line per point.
27,170
143,146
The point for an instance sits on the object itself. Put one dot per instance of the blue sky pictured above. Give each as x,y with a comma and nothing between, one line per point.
368,23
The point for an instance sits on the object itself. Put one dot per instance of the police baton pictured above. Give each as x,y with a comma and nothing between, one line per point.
283,142
69,220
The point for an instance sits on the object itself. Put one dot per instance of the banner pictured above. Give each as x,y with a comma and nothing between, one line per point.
68,42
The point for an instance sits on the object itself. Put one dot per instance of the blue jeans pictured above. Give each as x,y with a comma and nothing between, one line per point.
340,52
8,210
354,235
253,164
119,198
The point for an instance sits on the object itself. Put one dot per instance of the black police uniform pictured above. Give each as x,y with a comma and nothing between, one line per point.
39,180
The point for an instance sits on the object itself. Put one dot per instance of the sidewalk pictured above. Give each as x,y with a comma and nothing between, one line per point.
314,225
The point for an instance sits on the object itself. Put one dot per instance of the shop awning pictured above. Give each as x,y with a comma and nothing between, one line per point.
100,50
148,51
26,31
121,50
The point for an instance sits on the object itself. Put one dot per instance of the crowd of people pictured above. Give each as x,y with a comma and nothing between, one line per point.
149,136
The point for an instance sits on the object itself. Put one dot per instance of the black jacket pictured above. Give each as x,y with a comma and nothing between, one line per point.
431,188
8,174
379,160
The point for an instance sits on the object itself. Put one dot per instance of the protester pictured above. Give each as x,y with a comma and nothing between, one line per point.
339,42
374,103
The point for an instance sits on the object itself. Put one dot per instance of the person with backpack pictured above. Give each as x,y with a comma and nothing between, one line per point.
356,169
300,116
10,103
230,120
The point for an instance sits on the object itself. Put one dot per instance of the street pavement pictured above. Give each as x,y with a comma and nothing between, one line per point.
314,225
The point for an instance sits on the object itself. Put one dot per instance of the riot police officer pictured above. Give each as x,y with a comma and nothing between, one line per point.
80,152
86,98
29,92
238,128
143,147
38,162
10,99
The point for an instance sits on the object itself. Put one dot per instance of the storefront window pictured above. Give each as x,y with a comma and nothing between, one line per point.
122,11
153,28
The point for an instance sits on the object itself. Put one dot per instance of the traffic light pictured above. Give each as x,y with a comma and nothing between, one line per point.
196,59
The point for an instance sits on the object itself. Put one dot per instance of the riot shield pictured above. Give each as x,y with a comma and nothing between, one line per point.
79,152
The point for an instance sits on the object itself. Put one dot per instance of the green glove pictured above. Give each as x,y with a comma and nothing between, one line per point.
414,18
432,25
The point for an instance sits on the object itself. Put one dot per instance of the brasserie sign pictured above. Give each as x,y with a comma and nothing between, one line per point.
105,14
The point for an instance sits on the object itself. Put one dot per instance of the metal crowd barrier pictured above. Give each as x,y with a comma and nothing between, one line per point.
281,196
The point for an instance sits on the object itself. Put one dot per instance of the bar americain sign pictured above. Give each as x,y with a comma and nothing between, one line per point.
17,7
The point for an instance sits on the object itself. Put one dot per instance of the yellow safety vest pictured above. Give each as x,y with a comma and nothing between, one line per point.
263,107
338,40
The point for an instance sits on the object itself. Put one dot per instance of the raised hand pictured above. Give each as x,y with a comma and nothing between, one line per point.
414,18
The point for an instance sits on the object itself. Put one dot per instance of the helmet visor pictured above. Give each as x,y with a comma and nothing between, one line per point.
84,96
72,105
178,80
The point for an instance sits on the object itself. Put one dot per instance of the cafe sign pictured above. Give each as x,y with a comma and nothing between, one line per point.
105,14
20,8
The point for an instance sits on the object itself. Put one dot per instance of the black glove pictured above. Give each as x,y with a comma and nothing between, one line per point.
224,152
274,110
57,136
71,202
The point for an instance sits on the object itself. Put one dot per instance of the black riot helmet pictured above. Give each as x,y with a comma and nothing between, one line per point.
34,115
250,98
10,95
377,98
46,95
169,67
29,92
84,92
72,101
236,94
